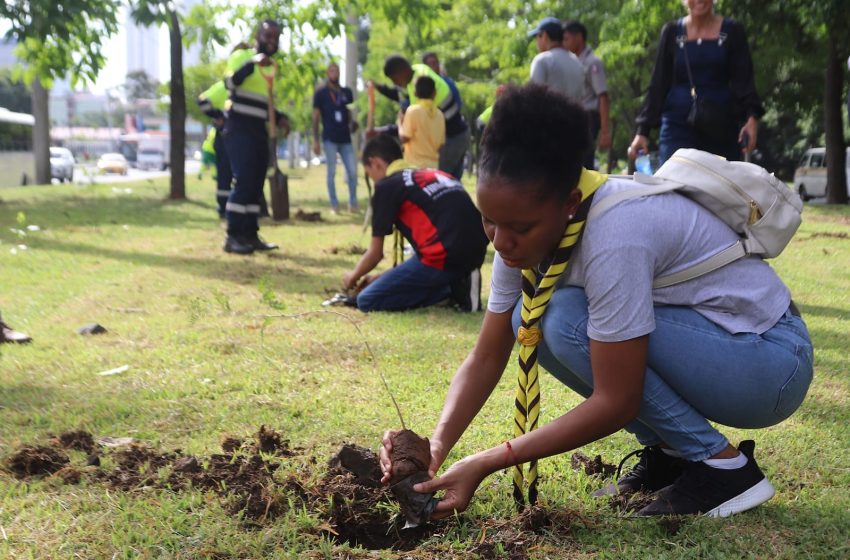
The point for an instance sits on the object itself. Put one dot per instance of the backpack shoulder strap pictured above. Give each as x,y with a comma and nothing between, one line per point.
649,186
721,259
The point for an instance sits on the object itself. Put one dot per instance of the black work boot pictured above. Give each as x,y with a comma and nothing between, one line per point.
239,245
259,245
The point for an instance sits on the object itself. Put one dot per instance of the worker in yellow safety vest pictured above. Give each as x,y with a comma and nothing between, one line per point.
246,137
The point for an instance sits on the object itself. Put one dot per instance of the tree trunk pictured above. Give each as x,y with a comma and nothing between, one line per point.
351,58
836,175
177,111
41,132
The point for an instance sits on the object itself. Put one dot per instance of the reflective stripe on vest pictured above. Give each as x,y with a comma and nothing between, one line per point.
249,98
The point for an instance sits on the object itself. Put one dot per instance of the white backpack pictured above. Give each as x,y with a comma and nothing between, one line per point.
754,203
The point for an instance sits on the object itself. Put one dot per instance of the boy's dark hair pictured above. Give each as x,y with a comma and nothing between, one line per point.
394,64
428,55
576,28
536,138
425,88
383,146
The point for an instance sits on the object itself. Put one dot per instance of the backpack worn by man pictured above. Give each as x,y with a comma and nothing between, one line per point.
759,207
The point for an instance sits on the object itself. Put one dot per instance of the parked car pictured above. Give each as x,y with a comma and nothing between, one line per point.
810,176
150,158
61,164
113,163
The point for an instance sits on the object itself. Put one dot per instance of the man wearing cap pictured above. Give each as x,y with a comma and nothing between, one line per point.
555,66
596,101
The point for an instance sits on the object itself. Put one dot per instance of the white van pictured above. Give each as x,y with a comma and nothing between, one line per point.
810,176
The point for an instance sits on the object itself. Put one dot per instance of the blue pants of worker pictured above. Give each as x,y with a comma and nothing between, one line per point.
248,149
223,173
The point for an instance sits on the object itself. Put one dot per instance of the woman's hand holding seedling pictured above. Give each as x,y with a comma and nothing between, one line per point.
459,482
438,455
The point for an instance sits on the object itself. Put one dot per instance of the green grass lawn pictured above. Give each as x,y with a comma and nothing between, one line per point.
208,355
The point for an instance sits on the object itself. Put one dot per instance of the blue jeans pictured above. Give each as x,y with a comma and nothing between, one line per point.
346,151
407,286
696,372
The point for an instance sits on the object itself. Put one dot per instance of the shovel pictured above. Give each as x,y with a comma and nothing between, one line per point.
278,180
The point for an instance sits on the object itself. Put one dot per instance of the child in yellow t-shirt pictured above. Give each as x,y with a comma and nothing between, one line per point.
423,128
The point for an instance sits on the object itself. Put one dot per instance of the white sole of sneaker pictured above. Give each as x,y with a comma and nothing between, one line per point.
756,495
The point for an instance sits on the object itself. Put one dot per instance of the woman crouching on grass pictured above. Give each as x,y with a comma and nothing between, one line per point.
726,347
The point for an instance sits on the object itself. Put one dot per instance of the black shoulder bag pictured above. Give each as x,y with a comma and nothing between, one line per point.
708,118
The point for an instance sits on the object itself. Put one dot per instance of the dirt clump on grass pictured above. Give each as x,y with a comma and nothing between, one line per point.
136,465
244,481
269,441
592,467
69,474
350,250
360,510
630,502
36,460
80,440
230,444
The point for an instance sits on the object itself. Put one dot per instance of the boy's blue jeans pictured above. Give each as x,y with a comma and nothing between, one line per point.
697,372
407,286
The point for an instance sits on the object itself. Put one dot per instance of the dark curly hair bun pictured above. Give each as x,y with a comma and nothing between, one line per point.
536,138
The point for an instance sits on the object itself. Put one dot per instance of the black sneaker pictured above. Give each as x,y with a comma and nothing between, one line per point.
238,245
714,492
260,245
655,470
466,291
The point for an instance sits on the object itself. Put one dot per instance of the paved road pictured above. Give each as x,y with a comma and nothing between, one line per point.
84,173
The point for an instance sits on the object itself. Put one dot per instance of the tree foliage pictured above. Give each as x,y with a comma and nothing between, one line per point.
61,38
57,38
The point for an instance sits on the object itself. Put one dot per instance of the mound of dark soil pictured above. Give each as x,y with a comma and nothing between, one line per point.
80,440
35,460
359,509
591,467
360,462
244,480
137,465
269,441
230,444
630,502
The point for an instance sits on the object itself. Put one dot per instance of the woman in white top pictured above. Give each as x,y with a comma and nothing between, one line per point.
727,347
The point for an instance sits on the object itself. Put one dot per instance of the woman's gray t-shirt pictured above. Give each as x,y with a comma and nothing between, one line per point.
623,250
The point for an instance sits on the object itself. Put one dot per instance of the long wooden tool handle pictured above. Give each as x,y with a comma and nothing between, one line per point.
370,116
272,115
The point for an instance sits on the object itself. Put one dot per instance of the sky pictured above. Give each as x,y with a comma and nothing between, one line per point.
115,70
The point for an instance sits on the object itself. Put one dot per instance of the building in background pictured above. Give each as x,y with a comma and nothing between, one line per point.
191,54
7,52
142,48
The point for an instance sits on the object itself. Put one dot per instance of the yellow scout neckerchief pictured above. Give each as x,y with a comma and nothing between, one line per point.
534,302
